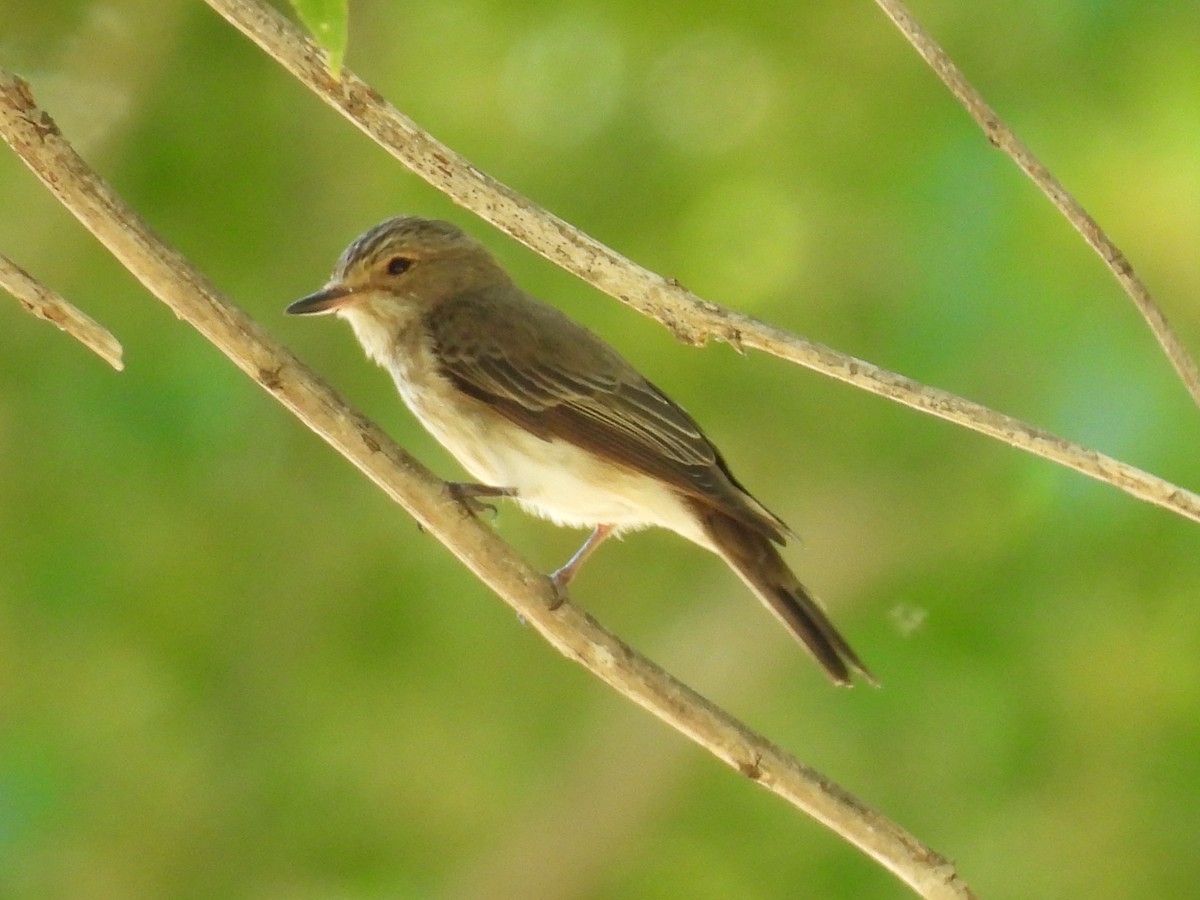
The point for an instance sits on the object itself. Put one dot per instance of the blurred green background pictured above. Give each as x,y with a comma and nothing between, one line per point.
230,668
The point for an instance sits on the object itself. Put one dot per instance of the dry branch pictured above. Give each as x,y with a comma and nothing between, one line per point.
1005,139
171,277
689,317
42,302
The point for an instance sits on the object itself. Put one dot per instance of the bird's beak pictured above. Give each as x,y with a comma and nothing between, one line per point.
323,301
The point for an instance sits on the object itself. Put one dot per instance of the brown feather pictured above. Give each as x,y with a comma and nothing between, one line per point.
601,404
760,566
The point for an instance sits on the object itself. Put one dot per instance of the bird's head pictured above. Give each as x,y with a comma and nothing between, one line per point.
400,266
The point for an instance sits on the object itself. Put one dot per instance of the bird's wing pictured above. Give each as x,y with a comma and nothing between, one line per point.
554,378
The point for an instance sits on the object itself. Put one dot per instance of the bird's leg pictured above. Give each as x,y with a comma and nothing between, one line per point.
468,495
561,576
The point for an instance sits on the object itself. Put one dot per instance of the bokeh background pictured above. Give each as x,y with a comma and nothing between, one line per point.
230,668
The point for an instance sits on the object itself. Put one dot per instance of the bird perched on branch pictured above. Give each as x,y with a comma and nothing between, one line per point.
538,408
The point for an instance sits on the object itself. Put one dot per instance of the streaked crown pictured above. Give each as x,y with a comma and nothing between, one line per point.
404,237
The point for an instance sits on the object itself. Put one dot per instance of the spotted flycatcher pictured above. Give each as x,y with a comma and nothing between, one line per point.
537,407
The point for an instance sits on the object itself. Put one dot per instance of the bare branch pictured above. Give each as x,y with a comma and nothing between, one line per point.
167,274
42,302
689,317
1003,137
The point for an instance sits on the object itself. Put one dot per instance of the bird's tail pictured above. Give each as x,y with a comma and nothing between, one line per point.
751,554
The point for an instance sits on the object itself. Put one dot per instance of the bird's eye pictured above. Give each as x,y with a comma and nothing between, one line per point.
398,265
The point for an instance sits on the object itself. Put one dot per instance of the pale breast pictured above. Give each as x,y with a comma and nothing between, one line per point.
553,478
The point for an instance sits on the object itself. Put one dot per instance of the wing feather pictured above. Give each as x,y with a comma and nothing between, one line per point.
551,376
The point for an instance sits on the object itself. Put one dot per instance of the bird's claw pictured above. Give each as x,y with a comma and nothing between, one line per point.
558,581
476,507
468,495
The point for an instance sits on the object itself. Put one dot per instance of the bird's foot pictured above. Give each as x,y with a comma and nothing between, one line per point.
468,495
564,573
558,581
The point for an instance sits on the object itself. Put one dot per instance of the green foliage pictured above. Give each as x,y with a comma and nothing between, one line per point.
329,22
230,668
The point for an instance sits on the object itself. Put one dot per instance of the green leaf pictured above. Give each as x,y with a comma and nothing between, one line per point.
328,22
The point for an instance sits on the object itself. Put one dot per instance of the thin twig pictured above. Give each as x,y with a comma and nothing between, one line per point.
42,302
36,139
689,317
1003,137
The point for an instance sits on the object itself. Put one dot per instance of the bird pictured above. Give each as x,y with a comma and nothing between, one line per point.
537,407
